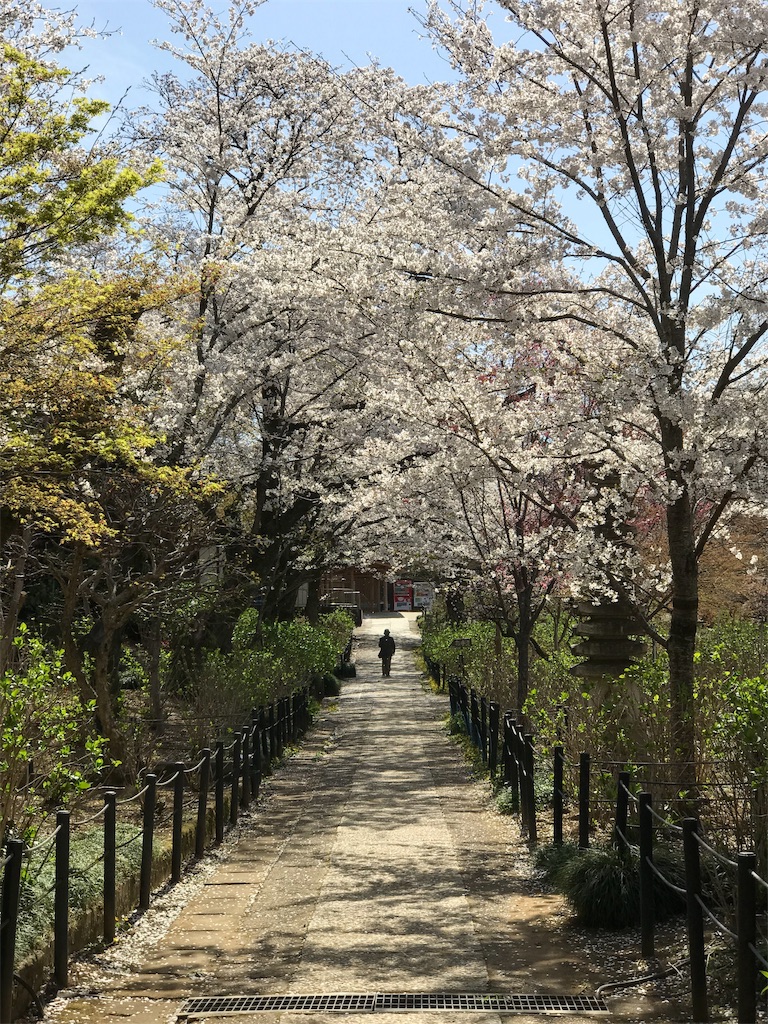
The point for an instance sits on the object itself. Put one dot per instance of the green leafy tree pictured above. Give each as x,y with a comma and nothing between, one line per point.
49,753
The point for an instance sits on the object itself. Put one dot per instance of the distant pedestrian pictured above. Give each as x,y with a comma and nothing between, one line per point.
386,650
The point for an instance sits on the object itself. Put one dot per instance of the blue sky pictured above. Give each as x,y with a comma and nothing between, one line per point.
343,31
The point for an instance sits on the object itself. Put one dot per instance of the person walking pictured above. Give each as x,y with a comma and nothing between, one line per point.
387,648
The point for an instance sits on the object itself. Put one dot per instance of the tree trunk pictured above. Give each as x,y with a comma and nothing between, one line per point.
153,644
682,638
11,617
312,608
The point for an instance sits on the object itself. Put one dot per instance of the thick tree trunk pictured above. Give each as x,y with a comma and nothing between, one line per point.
682,638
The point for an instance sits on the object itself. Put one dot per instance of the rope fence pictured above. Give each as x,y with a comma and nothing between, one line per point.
633,815
230,772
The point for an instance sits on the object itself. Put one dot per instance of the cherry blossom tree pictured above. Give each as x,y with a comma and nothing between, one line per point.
268,152
632,135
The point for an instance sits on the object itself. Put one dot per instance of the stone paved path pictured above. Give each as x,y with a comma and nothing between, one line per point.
371,864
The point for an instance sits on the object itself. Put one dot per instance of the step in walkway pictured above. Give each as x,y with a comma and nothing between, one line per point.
372,864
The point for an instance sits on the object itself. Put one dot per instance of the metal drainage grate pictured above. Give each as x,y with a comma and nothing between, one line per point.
222,1006
497,1003
398,1002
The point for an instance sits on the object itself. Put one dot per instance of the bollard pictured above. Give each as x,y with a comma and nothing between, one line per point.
148,825
695,920
61,900
202,804
110,865
647,906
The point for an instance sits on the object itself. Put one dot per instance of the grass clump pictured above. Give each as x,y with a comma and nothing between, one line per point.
602,884
552,861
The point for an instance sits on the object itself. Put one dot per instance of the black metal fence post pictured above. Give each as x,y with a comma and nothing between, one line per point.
234,801
147,839
493,738
178,821
558,797
245,746
484,729
474,718
620,840
647,903
518,752
695,920
255,755
464,705
219,794
202,803
453,695
264,730
9,919
61,900
584,800
511,773
110,865
272,719
746,929
529,771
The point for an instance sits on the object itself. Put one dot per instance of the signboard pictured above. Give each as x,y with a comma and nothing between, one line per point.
423,595
403,595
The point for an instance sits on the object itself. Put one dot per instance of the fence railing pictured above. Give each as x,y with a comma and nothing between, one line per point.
235,769
630,810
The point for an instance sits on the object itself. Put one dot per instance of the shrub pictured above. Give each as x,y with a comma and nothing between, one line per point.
603,887
602,884
505,801
43,724
553,860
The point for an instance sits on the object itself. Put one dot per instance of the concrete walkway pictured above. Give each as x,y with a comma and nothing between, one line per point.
370,865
